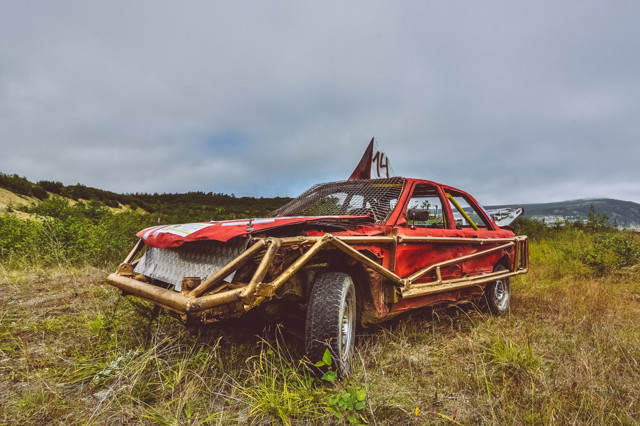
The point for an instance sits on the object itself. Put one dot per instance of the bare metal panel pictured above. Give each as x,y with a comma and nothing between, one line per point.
194,259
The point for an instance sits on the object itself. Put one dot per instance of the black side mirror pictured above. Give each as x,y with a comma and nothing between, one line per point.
418,215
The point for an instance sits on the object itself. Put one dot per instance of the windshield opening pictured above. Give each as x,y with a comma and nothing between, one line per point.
373,197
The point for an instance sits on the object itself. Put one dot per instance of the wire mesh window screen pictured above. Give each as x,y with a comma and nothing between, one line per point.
373,197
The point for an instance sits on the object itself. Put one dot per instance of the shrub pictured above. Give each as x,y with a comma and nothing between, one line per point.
611,251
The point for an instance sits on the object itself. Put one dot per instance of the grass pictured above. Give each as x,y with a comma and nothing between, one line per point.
73,351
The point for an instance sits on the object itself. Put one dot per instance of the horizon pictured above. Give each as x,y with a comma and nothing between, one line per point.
283,196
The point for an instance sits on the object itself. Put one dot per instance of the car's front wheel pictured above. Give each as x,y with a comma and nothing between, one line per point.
331,320
497,294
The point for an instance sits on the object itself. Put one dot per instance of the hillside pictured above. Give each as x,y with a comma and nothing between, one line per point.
621,213
18,193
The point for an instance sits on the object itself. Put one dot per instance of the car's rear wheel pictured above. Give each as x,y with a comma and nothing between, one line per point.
331,320
498,294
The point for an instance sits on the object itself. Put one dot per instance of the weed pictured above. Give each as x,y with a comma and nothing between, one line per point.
347,403
512,361
282,387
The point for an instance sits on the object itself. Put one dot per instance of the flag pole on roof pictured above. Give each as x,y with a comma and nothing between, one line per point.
373,164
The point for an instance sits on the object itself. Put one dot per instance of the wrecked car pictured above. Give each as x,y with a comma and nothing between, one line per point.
344,253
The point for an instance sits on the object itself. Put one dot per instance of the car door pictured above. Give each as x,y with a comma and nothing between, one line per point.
471,220
427,213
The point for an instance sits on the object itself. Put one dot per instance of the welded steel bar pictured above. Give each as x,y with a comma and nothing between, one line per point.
524,254
446,240
263,267
212,300
345,248
288,241
299,263
462,212
457,283
453,261
490,276
227,269
134,251
349,239
167,298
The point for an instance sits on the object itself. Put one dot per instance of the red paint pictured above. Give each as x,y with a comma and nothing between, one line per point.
164,236
409,257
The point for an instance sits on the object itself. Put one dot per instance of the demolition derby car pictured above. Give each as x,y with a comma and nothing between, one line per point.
344,253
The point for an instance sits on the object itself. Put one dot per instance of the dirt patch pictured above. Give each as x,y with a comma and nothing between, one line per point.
9,198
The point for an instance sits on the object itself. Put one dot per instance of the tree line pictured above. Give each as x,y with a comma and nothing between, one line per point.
200,202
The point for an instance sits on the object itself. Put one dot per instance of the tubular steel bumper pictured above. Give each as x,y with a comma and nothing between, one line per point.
213,292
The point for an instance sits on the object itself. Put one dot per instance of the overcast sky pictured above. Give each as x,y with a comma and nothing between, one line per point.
513,101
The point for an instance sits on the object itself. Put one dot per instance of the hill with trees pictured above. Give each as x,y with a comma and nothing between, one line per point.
623,214
172,207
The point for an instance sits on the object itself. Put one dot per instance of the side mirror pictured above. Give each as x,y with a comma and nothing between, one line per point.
418,215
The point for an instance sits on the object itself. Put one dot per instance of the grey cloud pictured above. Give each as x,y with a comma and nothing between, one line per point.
513,102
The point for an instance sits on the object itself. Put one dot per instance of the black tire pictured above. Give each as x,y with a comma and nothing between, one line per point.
497,294
331,320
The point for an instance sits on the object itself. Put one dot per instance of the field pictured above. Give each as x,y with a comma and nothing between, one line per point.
72,350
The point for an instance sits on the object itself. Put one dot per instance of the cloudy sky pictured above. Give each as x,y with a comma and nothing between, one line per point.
513,101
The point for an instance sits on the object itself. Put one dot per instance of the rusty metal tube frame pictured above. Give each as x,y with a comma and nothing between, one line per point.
212,300
194,301
271,287
287,241
430,268
456,283
346,248
263,267
232,266
177,302
134,251
167,298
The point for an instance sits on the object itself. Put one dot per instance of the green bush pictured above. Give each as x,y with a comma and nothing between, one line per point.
88,233
65,235
611,251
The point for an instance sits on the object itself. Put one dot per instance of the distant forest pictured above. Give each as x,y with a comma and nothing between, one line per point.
197,203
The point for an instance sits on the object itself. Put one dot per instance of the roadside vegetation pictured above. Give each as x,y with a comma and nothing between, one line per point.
73,350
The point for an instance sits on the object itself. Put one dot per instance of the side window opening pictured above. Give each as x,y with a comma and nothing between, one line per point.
464,214
425,208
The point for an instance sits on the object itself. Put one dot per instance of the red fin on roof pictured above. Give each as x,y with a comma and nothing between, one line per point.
374,164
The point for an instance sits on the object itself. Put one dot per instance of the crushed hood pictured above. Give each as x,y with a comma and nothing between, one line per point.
165,236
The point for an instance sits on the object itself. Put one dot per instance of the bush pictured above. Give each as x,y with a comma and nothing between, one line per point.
612,251
65,235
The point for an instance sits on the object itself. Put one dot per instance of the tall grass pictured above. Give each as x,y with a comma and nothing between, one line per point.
74,351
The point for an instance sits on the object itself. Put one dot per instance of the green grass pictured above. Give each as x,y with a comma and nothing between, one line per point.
72,350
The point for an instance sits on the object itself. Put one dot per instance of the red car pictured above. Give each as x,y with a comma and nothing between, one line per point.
349,252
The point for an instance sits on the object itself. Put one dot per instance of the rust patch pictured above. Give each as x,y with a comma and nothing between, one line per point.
451,297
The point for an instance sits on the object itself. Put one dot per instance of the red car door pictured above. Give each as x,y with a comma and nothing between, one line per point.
426,213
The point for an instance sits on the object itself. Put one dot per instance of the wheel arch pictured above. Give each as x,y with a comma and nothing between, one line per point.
504,261
339,261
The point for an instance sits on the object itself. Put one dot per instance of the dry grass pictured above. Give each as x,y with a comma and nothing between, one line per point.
8,198
72,350
569,356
